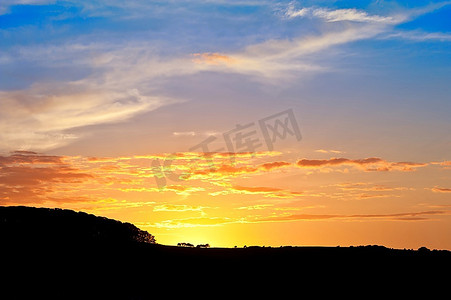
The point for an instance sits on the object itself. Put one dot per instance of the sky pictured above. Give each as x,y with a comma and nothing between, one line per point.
233,122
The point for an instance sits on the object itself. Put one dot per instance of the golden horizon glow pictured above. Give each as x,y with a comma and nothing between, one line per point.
221,202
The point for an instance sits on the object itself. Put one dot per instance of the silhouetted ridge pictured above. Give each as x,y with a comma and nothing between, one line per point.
24,225
97,251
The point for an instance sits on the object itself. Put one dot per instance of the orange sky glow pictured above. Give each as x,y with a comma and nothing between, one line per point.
265,198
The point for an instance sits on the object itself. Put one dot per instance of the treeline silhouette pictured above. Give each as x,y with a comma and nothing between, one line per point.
45,226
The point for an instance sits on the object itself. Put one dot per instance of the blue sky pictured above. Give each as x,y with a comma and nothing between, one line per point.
376,63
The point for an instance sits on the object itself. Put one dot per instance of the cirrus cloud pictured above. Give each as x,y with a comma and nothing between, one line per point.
339,15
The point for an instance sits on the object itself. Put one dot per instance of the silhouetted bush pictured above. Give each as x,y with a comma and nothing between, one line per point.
423,250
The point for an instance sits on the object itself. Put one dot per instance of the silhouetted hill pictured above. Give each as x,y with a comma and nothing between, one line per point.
27,225
82,252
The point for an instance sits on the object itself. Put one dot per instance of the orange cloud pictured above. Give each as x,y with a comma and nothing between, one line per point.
183,190
27,177
360,186
255,207
212,59
257,189
336,161
233,170
265,191
269,192
29,157
273,165
368,164
328,151
193,222
437,189
227,169
177,207
445,164
397,216
200,165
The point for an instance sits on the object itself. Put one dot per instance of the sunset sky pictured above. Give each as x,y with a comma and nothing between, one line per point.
233,122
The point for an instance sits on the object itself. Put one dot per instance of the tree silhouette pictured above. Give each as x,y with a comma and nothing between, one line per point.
188,245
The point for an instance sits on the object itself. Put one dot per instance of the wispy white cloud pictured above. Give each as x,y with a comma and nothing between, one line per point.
361,16
121,85
184,133
39,117
281,58
124,82
420,36
278,59
125,79
338,15
194,133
